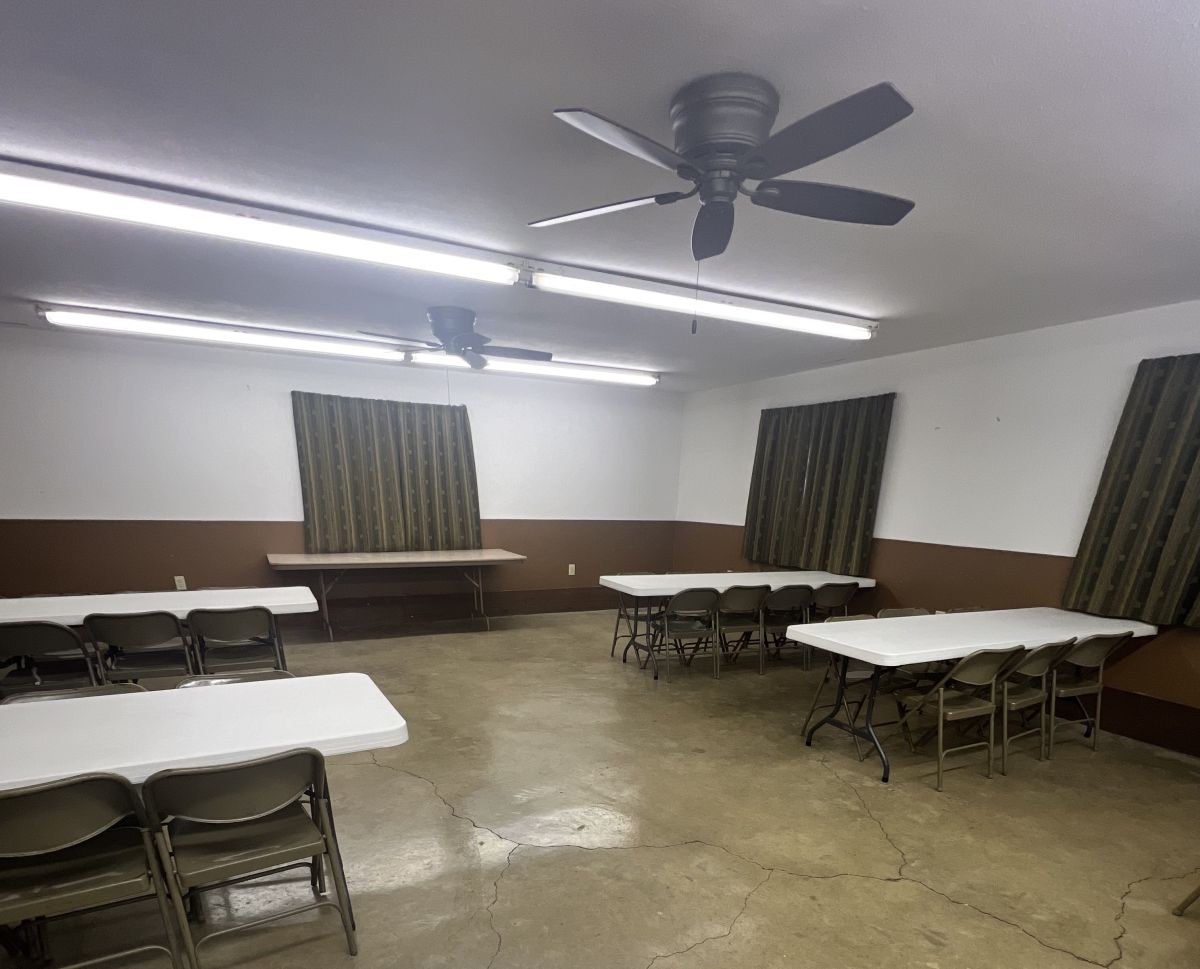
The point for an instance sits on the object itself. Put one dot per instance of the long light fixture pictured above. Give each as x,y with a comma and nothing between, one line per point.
220,333
260,229
678,301
572,371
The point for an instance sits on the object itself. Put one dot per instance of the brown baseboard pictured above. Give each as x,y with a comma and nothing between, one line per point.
1155,721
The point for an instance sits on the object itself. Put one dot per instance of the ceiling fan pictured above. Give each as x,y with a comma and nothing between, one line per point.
454,327
722,125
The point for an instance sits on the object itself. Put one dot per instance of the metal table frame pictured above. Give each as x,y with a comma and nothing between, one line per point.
329,568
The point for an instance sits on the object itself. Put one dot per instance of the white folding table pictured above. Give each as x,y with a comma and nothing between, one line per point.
888,643
470,561
135,734
71,610
645,590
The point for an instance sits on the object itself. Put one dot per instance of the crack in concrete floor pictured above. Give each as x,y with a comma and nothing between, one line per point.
771,870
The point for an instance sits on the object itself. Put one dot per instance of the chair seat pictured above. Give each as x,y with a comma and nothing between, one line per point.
739,624
686,627
1077,687
1020,697
109,868
955,705
208,853
151,662
239,656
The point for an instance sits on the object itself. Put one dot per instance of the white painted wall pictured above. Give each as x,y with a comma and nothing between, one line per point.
997,443
118,428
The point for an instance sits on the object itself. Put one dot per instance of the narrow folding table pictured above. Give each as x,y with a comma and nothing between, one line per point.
889,643
71,610
646,590
469,561
134,735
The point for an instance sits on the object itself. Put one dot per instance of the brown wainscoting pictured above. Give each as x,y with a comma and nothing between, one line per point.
48,556
1155,685
52,556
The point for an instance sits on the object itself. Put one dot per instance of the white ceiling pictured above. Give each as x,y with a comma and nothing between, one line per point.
1052,157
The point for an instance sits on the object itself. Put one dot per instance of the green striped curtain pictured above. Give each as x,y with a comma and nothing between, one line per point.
1139,557
385,476
815,485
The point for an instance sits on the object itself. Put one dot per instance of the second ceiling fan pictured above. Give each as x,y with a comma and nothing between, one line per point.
722,125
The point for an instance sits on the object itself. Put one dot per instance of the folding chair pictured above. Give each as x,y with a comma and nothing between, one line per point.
221,826
958,697
1025,685
135,646
75,846
788,606
44,655
1080,673
688,619
228,640
740,619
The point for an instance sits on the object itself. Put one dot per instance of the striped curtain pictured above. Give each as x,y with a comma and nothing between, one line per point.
385,476
815,485
1139,557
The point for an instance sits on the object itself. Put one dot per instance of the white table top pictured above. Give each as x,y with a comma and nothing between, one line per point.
661,586
927,639
136,734
70,610
392,560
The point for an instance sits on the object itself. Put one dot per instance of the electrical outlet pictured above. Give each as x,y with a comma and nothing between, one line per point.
571,569
180,583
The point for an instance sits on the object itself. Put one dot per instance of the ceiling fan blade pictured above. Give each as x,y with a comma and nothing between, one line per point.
834,202
714,226
517,353
627,140
834,128
663,198
393,338
476,360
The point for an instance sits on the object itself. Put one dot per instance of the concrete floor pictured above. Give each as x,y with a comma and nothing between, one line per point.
556,809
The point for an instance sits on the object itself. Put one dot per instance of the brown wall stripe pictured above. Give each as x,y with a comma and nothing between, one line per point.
1150,686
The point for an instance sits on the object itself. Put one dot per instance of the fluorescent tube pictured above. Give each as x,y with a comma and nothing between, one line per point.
797,320
221,334
571,371
189,217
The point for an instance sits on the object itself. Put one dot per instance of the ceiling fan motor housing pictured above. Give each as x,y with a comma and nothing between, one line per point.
716,120
454,326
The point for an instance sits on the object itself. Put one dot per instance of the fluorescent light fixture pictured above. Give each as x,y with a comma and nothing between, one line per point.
797,320
260,339
261,229
572,371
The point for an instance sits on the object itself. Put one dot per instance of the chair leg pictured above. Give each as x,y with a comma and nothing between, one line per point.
991,736
176,893
1053,716
941,730
1183,906
817,696
339,878
160,896
1003,732
1096,721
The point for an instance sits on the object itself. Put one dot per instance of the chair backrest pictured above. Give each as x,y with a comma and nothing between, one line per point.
901,613
982,666
693,603
234,792
216,626
743,599
1038,660
225,679
50,817
38,639
134,631
861,615
77,692
1091,653
834,596
789,598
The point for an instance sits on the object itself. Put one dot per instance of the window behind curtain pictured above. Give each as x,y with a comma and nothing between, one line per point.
1139,557
815,485
384,475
